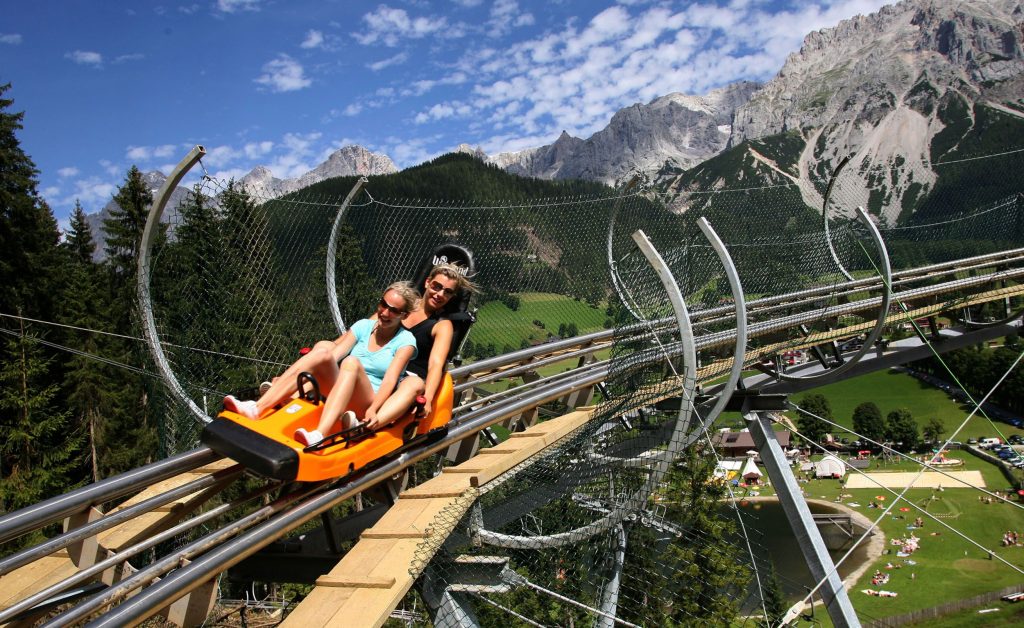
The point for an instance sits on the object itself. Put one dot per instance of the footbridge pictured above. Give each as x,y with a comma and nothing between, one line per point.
509,504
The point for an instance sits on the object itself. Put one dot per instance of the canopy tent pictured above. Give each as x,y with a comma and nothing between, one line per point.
829,467
750,472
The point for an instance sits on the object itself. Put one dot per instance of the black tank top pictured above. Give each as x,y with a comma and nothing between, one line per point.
423,333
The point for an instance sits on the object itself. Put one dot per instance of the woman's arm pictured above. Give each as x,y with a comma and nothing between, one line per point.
443,332
388,384
343,345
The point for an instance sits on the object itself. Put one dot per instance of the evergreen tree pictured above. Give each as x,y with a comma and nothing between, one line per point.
38,443
811,427
774,599
707,575
901,429
127,437
28,231
39,449
868,421
84,309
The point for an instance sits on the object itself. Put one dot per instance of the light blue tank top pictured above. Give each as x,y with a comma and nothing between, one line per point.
376,363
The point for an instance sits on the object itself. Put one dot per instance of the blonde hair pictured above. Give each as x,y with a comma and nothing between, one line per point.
456,272
408,294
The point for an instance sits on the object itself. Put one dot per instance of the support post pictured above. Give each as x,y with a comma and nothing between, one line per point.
837,602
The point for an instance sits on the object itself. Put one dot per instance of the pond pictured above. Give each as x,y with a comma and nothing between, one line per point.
771,533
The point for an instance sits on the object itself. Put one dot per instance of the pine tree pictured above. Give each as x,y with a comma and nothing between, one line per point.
37,443
39,450
84,310
127,437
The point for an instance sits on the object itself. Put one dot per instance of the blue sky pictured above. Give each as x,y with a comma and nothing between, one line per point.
284,83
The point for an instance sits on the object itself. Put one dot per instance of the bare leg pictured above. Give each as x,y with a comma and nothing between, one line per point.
400,401
352,388
319,361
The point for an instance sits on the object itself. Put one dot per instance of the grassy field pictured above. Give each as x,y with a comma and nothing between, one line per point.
946,567
498,325
891,390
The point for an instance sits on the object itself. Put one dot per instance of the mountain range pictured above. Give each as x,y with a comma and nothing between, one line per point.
898,88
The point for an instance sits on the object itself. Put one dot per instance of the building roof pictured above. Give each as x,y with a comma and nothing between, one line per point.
745,440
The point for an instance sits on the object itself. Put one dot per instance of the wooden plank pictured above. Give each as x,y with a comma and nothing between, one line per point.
369,582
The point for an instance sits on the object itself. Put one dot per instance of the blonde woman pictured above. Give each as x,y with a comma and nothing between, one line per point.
360,369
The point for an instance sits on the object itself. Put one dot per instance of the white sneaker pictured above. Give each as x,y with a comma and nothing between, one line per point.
349,420
264,387
308,438
248,408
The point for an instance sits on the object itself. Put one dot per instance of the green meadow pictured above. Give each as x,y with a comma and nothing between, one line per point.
501,326
893,389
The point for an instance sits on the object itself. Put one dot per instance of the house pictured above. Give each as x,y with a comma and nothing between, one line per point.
737,444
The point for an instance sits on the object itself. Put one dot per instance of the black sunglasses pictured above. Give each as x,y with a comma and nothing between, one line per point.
397,311
437,287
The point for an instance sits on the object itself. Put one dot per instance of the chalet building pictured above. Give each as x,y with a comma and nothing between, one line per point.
737,444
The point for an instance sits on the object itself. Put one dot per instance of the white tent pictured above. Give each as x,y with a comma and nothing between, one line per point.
829,467
750,471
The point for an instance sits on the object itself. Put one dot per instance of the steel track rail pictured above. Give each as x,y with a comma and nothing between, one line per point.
56,508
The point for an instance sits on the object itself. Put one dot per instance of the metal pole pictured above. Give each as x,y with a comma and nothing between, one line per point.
332,249
837,602
142,280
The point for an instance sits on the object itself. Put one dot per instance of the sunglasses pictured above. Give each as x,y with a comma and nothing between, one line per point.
437,287
397,311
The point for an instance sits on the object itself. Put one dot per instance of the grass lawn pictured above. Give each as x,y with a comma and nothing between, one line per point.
498,325
891,390
947,567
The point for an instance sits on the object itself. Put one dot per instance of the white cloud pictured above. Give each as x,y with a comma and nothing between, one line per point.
135,56
146,153
575,78
230,6
84,57
505,16
389,26
254,150
70,171
390,61
11,38
353,109
191,9
314,39
283,74
468,3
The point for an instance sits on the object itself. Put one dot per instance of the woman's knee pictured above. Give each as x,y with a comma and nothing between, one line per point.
351,364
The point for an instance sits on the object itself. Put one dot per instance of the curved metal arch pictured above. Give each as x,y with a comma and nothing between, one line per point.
677,441
883,309
332,250
824,217
740,352
613,271
142,280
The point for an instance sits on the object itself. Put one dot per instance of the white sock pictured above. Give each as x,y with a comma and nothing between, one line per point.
248,408
349,420
308,437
